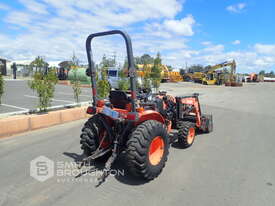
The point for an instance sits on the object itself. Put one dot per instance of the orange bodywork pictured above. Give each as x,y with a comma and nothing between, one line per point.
140,116
156,150
196,111
149,115
191,135
253,77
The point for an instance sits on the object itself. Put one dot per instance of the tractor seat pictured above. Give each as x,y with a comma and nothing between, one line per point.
119,99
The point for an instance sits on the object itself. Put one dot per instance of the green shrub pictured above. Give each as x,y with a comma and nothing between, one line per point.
146,80
146,83
44,86
103,87
1,87
76,86
156,72
123,83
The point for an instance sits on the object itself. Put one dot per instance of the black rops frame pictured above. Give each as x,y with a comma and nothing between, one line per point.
130,57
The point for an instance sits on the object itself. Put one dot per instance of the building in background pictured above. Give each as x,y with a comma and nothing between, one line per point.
4,64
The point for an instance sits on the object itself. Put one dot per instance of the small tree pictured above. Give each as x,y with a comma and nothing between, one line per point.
262,72
146,83
125,64
39,64
156,72
107,62
1,87
75,82
103,87
123,83
75,61
170,68
44,86
144,59
76,86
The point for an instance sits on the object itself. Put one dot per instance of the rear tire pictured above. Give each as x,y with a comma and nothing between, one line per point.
147,150
186,133
90,136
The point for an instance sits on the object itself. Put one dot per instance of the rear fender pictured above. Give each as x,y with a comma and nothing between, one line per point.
150,115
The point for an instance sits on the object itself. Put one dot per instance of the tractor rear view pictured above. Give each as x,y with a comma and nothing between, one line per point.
138,124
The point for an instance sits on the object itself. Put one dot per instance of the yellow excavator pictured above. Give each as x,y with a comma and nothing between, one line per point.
166,75
198,77
220,74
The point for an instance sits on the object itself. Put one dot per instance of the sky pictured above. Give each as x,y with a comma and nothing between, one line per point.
185,32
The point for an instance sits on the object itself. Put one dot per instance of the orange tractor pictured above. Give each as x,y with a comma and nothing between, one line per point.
253,77
138,124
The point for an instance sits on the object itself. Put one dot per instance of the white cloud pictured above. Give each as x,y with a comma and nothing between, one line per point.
35,6
265,48
236,42
145,43
172,27
118,12
19,18
206,43
247,61
4,7
180,27
265,62
236,8
214,48
56,35
157,29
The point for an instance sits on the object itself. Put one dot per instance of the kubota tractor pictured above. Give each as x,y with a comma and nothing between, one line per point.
253,77
138,124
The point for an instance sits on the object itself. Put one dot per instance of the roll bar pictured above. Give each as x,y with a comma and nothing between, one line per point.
130,57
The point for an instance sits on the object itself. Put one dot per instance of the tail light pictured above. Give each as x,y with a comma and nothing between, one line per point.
132,116
91,110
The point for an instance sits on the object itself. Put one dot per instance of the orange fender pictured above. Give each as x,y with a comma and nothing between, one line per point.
150,115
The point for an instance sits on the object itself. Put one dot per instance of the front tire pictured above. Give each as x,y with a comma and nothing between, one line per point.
186,133
147,150
209,123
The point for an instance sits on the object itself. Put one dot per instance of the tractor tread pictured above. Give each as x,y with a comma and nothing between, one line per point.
137,148
89,139
183,130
